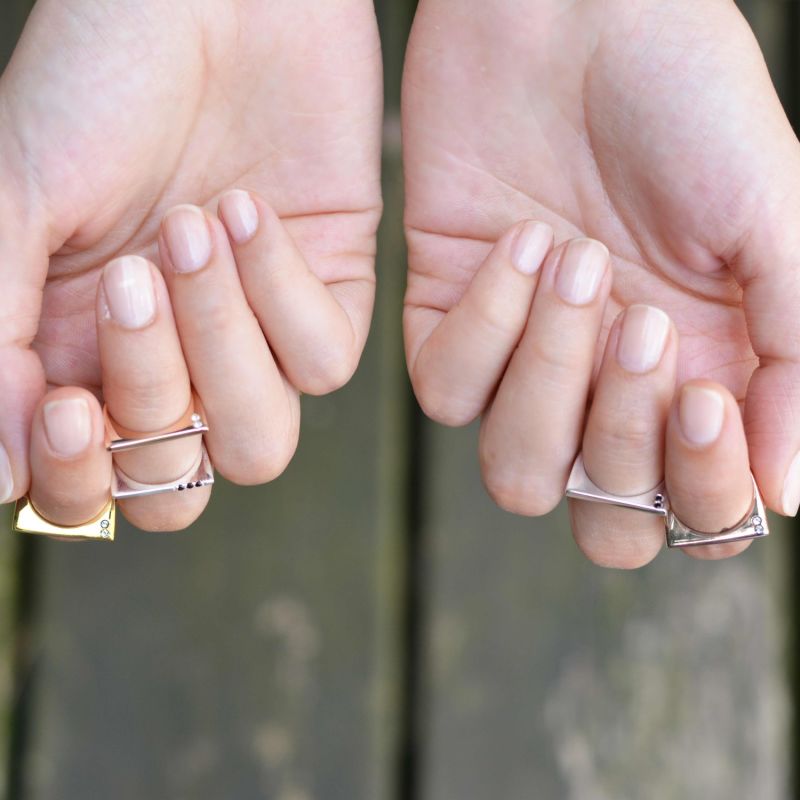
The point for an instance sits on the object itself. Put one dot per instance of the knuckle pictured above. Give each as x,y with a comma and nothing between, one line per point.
257,460
217,319
557,364
442,404
524,495
332,370
625,560
502,315
605,537
632,434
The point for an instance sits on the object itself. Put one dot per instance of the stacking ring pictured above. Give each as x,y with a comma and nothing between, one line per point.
102,528
752,526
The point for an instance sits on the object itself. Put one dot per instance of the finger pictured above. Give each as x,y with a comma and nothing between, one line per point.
71,468
707,465
316,332
253,412
456,358
531,432
147,390
623,445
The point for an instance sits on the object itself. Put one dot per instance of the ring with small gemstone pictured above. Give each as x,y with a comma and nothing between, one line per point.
121,440
752,526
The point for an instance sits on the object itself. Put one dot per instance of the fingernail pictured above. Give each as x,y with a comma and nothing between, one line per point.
6,478
188,238
240,215
129,291
701,413
581,271
68,426
790,500
643,338
532,244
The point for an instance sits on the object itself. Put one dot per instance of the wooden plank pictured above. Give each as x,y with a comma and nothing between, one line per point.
547,677
259,654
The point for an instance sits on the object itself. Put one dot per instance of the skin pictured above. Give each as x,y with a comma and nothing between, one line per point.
112,115
652,126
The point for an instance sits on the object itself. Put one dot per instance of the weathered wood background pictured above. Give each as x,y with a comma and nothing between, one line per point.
370,627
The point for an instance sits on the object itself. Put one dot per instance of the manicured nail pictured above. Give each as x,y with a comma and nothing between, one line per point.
790,500
188,238
701,413
581,271
68,426
643,338
532,244
6,478
239,215
129,292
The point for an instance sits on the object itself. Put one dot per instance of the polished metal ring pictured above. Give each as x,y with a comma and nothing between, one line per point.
752,526
124,487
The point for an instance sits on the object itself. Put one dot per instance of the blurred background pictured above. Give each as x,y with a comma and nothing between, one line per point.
371,627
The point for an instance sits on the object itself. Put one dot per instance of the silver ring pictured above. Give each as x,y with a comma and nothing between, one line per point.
123,487
752,526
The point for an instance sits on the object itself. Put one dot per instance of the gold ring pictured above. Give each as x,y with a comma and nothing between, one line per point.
99,529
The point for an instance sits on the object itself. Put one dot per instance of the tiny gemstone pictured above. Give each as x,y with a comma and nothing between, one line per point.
759,529
106,534
181,488
104,523
757,520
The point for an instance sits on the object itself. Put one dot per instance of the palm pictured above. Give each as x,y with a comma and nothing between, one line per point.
623,122
157,103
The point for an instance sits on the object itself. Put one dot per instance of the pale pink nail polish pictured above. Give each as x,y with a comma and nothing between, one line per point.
642,339
239,215
68,426
701,413
790,499
532,244
129,292
188,238
6,477
581,271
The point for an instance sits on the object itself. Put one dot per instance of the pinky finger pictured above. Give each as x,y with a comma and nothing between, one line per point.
71,468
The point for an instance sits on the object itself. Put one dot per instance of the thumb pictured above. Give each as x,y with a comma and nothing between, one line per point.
23,269
768,269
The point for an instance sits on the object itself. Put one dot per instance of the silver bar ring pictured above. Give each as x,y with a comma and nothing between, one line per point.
752,526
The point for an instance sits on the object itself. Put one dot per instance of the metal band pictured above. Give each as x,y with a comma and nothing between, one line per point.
201,474
752,526
581,487
121,440
100,529
124,487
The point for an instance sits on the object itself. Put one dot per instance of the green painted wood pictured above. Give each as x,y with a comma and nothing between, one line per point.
259,654
547,677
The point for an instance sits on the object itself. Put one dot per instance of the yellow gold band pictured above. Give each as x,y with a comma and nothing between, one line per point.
102,528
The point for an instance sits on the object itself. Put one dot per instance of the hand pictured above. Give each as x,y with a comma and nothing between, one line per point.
111,115
653,127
